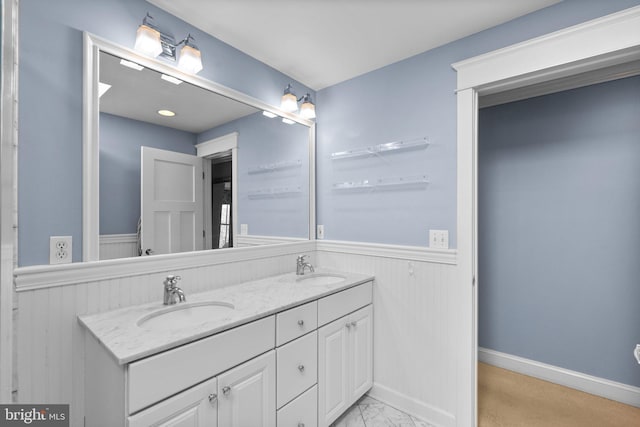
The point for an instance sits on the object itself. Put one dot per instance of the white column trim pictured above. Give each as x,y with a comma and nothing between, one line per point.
8,196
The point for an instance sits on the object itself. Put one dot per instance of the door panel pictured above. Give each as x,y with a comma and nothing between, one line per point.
248,394
172,201
362,352
333,356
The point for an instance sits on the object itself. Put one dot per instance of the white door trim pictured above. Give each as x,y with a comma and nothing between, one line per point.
604,42
209,149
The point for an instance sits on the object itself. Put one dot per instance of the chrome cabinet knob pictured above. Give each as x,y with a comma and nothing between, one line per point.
301,323
148,251
300,424
348,325
213,398
226,390
354,324
301,368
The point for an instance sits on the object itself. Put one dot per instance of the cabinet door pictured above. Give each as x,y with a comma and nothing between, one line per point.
361,341
195,407
247,394
333,362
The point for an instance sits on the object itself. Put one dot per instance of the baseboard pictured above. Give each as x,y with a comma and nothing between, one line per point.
435,416
608,389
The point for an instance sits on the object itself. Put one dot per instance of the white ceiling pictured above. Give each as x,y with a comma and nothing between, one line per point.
324,42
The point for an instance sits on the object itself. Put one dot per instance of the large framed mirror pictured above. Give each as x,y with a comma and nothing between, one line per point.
176,163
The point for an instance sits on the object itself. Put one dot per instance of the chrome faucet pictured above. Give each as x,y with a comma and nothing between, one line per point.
301,265
171,290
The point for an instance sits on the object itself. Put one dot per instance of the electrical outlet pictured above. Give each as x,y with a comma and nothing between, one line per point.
636,352
60,249
320,233
244,229
439,239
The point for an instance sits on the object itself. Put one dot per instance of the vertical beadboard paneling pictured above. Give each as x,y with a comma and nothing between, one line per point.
414,358
50,341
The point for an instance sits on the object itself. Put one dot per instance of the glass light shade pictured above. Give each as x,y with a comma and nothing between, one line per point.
289,102
308,110
190,59
148,41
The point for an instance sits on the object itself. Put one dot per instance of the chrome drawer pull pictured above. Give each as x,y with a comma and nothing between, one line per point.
226,390
348,325
354,324
213,398
300,424
301,368
300,323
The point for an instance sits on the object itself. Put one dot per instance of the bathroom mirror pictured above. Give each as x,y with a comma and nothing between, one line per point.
212,172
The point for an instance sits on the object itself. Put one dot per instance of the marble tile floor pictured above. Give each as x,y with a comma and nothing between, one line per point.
368,412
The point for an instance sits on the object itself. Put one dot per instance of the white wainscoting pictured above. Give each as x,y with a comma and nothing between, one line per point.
250,240
414,323
50,342
415,313
577,380
114,246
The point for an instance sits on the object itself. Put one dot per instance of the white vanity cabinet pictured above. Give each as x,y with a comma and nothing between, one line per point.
300,367
345,356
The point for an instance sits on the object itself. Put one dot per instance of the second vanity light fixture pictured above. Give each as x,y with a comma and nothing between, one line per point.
290,101
153,42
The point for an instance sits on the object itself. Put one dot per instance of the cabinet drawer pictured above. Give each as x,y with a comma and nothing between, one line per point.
165,374
345,302
301,412
297,367
296,322
196,406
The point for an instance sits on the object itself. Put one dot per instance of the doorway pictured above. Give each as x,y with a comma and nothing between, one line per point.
221,203
546,64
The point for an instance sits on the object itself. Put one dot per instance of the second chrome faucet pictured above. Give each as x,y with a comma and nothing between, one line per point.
301,265
171,291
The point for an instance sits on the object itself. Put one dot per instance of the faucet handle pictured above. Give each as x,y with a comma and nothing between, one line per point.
301,258
172,280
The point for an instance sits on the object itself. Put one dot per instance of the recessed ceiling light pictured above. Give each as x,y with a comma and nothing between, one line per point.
130,64
269,114
166,113
287,121
171,79
102,88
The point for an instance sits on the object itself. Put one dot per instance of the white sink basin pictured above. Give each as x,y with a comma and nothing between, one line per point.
320,279
185,314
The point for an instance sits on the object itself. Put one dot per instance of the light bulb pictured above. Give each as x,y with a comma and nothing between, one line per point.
190,59
148,41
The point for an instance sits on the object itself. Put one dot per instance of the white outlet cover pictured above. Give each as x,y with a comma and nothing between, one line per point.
244,229
320,233
60,249
439,239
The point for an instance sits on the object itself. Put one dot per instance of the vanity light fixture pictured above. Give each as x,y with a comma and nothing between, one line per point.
170,79
289,102
132,65
151,41
102,89
166,113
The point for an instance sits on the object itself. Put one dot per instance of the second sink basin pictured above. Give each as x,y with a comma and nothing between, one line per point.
320,279
185,314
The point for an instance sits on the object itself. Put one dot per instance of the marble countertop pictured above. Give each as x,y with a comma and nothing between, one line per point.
119,332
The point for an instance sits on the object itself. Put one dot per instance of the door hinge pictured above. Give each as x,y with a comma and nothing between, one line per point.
203,235
473,282
202,175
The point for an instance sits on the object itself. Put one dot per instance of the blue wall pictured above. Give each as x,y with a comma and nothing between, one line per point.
120,143
409,99
50,109
559,243
263,141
